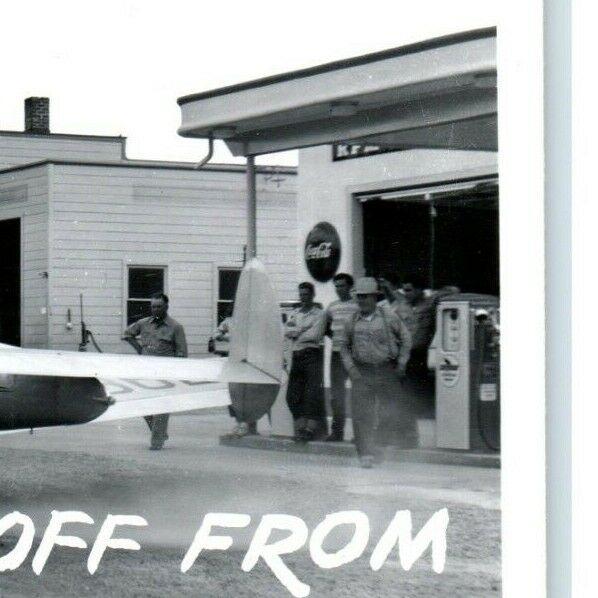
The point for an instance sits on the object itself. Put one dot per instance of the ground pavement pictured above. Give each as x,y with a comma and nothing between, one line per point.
107,468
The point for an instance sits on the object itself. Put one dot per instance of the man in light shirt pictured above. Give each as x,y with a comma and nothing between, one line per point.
375,349
335,317
393,298
159,335
305,393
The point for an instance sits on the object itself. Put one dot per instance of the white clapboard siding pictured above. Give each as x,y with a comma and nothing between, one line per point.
21,148
24,194
105,218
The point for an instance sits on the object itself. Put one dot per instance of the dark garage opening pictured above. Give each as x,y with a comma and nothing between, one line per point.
445,238
10,281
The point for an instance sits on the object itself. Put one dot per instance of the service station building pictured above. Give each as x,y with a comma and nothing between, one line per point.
78,220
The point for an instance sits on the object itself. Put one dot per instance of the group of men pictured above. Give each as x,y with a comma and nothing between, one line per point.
381,346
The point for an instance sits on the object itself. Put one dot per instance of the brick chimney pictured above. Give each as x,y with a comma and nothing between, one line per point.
37,115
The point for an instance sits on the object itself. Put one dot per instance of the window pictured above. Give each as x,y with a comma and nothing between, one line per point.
228,279
142,284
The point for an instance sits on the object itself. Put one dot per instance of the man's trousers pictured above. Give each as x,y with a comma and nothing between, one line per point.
381,413
305,392
338,379
158,424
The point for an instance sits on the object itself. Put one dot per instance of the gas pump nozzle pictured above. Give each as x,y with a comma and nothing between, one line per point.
484,317
481,315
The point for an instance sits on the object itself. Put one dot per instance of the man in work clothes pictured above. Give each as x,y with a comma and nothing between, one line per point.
375,350
419,315
393,299
305,394
335,317
162,336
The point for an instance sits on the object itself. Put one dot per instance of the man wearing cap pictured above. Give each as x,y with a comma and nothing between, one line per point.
375,350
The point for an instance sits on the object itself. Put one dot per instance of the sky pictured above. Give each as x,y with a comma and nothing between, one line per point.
118,67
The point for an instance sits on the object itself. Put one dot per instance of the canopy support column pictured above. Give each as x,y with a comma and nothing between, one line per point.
251,209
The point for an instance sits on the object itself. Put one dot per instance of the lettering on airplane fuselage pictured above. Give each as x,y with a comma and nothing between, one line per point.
128,385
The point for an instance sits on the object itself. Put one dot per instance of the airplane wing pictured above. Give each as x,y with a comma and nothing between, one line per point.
44,388
110,365
133,397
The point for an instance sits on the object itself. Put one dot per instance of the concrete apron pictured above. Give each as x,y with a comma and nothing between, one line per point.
426,452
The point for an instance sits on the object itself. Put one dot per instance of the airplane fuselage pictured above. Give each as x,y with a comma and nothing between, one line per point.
41,401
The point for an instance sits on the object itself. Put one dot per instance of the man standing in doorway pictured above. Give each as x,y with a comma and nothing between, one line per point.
374,349
305,394
162,336
393,299
337,314
419,314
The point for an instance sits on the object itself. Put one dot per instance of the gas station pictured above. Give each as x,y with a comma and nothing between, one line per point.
397,169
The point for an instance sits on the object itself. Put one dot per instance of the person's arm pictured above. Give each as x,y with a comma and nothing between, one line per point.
130,336
326,322
180,342
222,331
313,330
403,337
345,350
290,327
133,330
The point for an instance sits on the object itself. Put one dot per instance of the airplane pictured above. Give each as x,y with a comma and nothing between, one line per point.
43,388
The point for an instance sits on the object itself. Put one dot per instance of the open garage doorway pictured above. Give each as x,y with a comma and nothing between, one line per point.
446,235
10,281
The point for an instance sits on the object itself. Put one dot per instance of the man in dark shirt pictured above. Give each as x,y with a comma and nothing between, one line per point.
158,335
419,314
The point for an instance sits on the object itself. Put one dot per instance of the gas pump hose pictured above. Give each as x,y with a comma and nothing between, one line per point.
478,381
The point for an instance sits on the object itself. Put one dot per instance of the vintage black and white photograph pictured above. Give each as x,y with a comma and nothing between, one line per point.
250,300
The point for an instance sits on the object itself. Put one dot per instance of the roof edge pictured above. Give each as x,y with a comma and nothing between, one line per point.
119,138
422,46
148,164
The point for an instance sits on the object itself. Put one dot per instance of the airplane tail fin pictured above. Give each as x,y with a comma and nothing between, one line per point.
255,354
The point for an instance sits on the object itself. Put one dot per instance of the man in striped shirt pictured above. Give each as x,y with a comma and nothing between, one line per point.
335,317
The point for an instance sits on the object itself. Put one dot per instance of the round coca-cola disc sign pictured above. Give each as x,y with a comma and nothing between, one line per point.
322,251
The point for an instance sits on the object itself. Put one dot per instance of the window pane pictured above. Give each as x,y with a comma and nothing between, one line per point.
144,282
225,310
227,284
137,310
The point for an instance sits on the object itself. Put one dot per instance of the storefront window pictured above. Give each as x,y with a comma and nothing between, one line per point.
143,282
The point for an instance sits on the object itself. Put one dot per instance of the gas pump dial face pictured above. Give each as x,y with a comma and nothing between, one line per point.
449,370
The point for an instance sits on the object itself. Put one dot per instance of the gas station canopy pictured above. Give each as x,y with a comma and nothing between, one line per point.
440,93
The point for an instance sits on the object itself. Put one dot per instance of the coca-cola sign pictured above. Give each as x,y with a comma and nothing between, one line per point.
322,251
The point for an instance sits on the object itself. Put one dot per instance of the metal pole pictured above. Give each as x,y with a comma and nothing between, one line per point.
432,212
251,209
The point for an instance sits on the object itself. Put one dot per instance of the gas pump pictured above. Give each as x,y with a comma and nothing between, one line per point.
468,373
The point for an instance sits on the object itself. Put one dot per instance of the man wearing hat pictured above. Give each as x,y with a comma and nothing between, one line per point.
375,350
